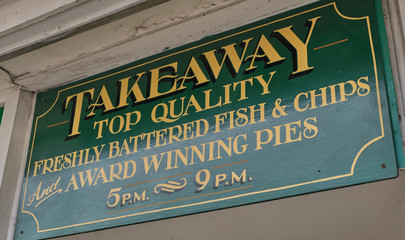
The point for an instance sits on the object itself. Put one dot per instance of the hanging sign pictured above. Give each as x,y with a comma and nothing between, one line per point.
292,104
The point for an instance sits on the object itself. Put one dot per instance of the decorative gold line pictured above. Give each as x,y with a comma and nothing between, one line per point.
346,17
30,213
54,103
226,165
60,190
56,124
361,151
208,194
157,179
330,44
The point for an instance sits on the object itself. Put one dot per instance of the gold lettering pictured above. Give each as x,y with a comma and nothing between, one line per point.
208,102
301,48
242,84
192,102
73,183
101,174
197,74
126,169
114,146
128,122
364,88
112,171
259,139
231,54
310,130
78,103
100,127
106,103
264,84
289,130
343,93
135,91
268,51
155,79
297,102
313,96
153,161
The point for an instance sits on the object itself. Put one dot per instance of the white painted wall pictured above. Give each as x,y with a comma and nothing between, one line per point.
15,129
402,14
374,211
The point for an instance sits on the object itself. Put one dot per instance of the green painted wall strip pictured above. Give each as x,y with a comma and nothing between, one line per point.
392,99
1,113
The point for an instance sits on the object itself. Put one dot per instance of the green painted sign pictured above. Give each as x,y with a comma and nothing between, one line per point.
289,105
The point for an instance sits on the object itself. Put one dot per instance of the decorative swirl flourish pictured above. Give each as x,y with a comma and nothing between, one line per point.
171,186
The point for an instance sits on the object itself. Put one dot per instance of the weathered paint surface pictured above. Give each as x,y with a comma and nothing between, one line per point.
162,27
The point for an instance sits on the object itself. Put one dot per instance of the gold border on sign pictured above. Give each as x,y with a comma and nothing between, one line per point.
351,173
